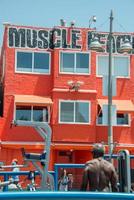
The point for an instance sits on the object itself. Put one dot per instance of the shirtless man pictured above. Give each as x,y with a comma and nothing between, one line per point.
99,173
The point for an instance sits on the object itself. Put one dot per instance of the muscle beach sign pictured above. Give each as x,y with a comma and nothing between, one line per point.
67,38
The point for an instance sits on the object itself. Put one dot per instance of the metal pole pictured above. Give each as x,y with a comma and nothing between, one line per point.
110,128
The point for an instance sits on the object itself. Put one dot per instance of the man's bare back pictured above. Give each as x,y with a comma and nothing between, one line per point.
99,174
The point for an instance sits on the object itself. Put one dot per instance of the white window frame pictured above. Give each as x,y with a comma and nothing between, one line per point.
73,101
32,72
14,116
115,55
75,52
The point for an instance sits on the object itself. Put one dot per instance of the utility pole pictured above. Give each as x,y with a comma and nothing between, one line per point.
110,128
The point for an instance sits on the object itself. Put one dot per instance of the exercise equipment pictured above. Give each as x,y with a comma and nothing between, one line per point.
40,161
4,183
124,171
11,184
32,186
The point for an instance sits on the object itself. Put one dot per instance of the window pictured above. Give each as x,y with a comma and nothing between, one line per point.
35,62
121,65
99,115
32,113
77,62
122,118
74,112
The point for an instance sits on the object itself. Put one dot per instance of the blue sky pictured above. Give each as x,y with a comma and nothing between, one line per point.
47,13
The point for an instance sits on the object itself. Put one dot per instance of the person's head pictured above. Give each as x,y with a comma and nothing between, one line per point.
70,176
98,150
64,172
14,161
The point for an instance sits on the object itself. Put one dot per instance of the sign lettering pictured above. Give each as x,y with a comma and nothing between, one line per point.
67,38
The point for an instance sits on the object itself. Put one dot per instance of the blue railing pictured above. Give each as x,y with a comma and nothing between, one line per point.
7,174
65,195
56,195
115,156
55,173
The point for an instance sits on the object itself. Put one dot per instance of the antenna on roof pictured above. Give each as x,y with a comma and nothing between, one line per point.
91,20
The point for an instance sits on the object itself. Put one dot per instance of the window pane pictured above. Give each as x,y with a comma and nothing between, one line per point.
37,114
99,120
121,66
41,62
45,114
122,119
23,113
40,114
24,61
82,62
67,62
67,112
102,65
99,116
82,112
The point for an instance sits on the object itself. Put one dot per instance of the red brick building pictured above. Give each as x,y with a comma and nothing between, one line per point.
52,75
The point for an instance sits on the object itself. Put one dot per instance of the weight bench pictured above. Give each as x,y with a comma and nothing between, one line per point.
34,156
